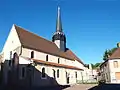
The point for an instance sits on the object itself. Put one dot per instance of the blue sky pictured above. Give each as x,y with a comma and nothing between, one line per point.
91,26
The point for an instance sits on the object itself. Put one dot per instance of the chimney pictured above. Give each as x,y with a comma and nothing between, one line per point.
118,45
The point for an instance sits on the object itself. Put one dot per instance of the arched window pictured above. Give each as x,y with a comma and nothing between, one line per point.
46,57
14,56
58,60
66,74
54,73
43,72
75,74
10,58
58,73
32,54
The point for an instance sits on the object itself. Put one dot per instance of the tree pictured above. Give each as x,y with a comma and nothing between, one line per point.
105,56
108,53
94,66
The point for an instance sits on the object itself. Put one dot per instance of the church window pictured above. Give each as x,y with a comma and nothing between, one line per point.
9,62
13,60
43,73
58,60
75,74
32,54
46,57
54,73
58,73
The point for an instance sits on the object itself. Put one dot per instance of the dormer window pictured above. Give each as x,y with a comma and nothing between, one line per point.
46,57
32,54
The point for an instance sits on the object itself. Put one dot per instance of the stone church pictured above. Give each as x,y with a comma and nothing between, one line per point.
29,59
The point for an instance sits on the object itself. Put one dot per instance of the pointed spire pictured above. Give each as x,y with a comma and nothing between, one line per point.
59,23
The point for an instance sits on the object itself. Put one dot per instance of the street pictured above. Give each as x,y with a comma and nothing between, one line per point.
74,87
80,87
94,87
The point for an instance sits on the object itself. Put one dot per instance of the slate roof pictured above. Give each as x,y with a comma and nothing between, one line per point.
35,42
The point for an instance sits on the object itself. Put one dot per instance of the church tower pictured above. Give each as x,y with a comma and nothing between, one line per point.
59,37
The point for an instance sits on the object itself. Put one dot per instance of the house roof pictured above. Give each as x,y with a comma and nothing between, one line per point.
56,64
35,42
115,55
103,63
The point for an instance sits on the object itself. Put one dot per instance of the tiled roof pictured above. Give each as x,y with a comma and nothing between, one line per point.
35,42
69,52
52,63
116,54
56,64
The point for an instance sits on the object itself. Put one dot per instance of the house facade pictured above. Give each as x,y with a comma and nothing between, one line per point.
91,74
30,60
110,69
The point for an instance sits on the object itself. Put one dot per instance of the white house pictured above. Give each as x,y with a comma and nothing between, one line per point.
32,60
91,74
110,69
